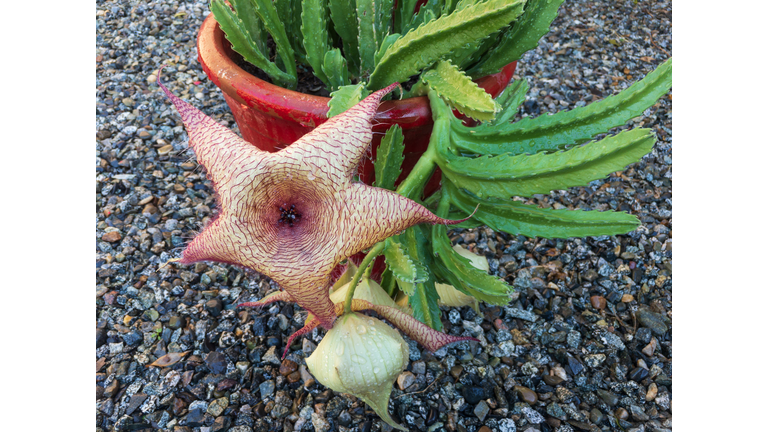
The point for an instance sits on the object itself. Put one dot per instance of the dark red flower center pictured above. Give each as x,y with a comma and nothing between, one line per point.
289,215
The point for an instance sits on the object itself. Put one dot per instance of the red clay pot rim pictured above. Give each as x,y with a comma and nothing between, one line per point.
281,102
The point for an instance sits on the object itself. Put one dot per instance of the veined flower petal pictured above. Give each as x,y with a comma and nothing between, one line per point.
295,214
428,337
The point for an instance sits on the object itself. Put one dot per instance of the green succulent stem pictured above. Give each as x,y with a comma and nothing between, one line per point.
443,206
375,251
420,174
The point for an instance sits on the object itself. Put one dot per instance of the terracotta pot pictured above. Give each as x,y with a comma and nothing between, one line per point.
271,117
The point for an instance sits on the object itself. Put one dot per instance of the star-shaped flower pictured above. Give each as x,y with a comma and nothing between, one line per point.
295,214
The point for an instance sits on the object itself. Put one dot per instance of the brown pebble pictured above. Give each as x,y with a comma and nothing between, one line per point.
186,377
650,348
651,393
309,380
627,298
164,150
499,324
149,209
527,395
518,337
225,384
110,297
552,380
111,389
598,302
178,406
405,380
456,371
268,407
111,237
484,429
288,367
179,188
621,414
294,377
553,422
261,410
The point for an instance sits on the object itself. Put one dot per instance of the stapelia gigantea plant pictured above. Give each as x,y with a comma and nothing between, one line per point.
295,215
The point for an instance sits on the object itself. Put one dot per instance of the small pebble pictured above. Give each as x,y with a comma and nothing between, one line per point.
473,394
267,388
649,349
111,237
288,367
652,320
456,371
216,362
432,416
598,302
532,416
526,395
271,356
621,414
405,380
651,393
608,397
596,416
553,380
638,374
481,410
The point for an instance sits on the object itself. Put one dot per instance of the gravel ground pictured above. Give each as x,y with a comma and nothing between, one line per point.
585,345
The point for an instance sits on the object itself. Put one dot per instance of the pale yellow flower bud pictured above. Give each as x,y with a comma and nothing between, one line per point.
367,290
362,356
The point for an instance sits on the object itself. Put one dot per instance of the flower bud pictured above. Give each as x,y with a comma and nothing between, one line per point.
367,290
452,297
362,356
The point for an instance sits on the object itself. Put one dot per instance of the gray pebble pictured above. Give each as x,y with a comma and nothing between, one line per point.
520,313
271,356
481,410
653,321
532,415
507,425
267,388
454,317
611,340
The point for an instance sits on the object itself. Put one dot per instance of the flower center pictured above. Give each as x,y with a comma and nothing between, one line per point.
289,215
